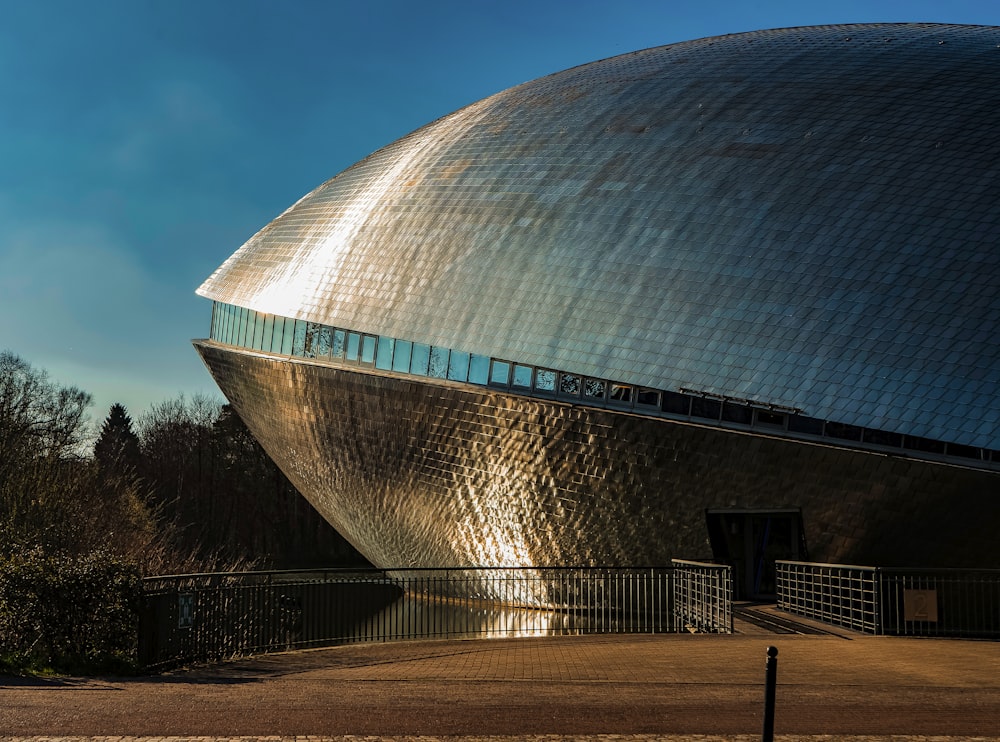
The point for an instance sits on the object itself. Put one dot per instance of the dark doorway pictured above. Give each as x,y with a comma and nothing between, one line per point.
751,541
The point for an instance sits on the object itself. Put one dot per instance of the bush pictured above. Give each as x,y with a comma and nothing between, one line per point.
61,613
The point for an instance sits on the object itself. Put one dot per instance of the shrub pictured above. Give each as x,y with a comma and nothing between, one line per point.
63,613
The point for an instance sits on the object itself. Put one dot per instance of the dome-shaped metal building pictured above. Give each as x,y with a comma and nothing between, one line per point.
737,295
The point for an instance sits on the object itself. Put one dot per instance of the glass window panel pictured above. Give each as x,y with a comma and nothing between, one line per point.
522,376
213,333
287,336
249,317
309,343
677,404
276,328
308,340
217,315
766,417
251,322
648,397
439,363
227,323
499,373
251,328
353,346
401,356
803,424
241,327
383,356
338,339
324,339
479,369
734,412
246,327
570,385
268,332
458,366
225,318
594,388
279,326
883,438
707,408
843,431
912,442
234,325
299,335
258,332
368,350
419,359
620,393
545,380
966,452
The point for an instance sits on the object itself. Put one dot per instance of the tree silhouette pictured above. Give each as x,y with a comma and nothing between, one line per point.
117,447
51,494
189,489
208,475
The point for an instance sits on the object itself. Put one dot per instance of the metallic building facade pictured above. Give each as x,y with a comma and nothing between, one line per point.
752,272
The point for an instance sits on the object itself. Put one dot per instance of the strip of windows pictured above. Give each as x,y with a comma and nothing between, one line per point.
270,333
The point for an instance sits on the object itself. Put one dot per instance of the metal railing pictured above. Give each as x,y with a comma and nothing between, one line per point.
839,594
702,596
210,616
894,600
941,602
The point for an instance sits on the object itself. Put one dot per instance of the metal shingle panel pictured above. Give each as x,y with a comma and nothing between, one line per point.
790,215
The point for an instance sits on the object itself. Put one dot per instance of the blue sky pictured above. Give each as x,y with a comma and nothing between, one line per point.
142,142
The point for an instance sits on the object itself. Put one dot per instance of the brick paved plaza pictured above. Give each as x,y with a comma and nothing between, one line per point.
628,687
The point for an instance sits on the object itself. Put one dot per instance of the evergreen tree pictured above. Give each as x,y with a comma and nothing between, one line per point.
117,448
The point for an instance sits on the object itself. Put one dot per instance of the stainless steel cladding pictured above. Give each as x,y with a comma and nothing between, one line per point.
800,222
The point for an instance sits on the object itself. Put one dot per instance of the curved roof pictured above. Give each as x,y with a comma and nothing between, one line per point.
808,217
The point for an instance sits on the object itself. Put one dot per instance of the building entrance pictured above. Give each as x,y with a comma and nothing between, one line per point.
751,541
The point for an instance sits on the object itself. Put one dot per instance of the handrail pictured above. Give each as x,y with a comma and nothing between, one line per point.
902,601
201,616
703,596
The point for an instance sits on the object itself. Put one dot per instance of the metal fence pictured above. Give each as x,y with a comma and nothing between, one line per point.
894,600
941,602
702,596
210,616
838,594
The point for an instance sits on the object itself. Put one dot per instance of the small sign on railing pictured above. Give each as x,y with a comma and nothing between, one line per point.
920,605
185,610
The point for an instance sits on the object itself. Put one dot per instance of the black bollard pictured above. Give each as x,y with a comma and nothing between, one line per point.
770,681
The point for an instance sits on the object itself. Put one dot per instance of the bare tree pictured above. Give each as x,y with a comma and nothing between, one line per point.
42,431
188,490
213,479
54,496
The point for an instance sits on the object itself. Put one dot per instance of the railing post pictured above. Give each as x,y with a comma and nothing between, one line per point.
879,629
770,683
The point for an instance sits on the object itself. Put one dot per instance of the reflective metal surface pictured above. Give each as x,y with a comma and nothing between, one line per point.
806,217
282,336
801,218
429,472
